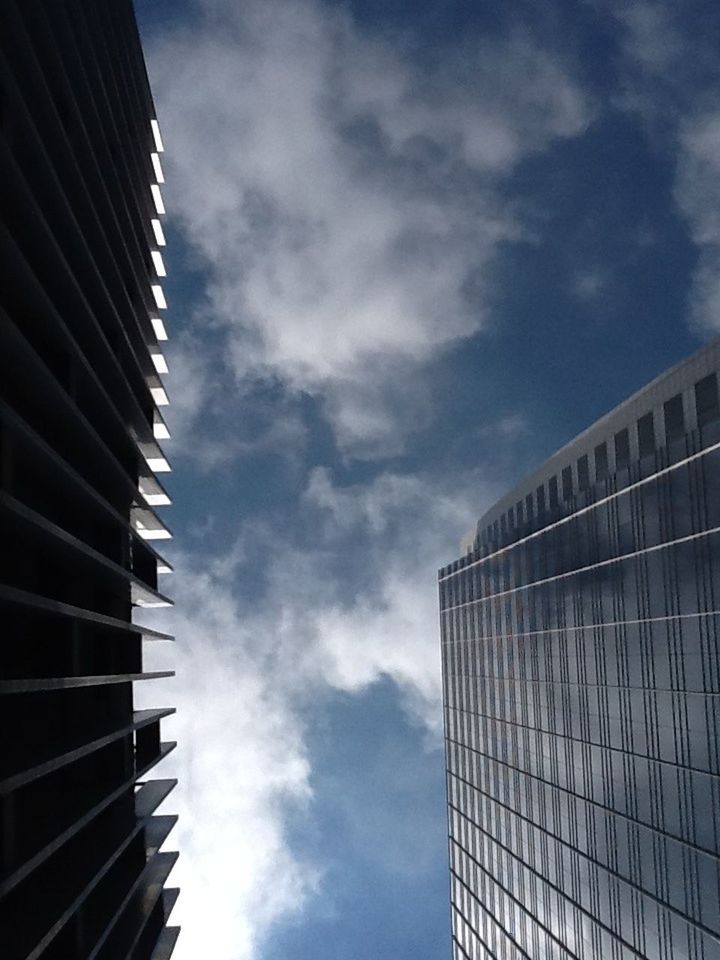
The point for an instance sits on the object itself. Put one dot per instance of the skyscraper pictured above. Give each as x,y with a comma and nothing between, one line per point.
81,308
581,684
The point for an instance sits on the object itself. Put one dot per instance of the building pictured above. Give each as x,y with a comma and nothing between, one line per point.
81,873
581,681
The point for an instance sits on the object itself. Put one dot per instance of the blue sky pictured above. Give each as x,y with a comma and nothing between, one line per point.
412,249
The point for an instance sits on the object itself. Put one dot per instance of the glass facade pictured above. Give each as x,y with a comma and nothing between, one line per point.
581,683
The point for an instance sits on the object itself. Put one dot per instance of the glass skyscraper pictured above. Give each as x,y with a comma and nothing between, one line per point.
82,864
581,684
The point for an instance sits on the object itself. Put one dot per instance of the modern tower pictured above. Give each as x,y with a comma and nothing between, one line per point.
81,304
582,693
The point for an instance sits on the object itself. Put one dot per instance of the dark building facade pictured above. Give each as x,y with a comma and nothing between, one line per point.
581,687
82,875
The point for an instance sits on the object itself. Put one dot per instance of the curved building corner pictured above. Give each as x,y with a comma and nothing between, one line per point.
581,677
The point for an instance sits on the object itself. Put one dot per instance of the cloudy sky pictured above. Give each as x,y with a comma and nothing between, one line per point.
413,248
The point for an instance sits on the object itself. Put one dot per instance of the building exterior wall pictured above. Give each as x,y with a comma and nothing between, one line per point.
581,681
81,874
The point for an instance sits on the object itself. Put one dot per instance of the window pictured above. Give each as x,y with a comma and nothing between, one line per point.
529,507
519,513
646,435
601,461
540,494
674,418
567,483
622,449
706,400
553,491
583,471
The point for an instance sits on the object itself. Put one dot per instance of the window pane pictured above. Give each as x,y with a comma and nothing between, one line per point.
622,449
706,400
674,418
583,473
553,491
601,461
646,435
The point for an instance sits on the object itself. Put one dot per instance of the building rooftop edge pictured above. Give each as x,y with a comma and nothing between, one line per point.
665,385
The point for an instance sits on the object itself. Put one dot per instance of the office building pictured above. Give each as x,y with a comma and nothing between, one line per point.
581,687
81,328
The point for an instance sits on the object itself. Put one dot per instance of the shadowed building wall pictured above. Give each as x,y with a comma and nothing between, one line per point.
581,684
81,875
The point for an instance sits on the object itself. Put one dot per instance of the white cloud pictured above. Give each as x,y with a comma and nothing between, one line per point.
670,78
405,527
509,426
652,67
697,192
340,200
588,285
188,382
651,38
241,763
203,414
248,670
341,197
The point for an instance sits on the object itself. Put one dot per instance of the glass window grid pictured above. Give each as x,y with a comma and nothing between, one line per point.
670,446
588,704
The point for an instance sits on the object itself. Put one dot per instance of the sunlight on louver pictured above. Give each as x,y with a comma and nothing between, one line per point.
148,525
159,328
158,263
160,429
157,198
159,396
155,127
158,231
159,296
157,499
160,362
158,465
148,534
151,604
152,533
157,168
153,493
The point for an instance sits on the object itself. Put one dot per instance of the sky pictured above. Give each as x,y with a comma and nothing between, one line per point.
413,248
